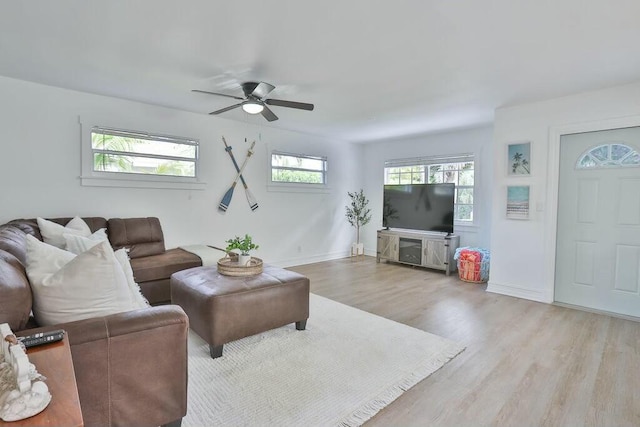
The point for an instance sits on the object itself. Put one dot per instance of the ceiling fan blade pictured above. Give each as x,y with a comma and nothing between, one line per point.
268,114
219,94
290,104
222,110
262,89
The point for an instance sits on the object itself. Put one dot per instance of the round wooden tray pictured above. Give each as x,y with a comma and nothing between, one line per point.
230,267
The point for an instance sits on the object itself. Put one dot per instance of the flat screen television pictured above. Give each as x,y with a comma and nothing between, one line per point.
427,207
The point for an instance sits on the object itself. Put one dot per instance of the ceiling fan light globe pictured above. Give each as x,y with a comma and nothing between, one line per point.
252,107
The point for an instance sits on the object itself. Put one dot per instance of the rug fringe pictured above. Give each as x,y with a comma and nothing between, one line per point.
367,411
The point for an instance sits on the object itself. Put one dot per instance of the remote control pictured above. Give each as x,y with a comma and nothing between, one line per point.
42,338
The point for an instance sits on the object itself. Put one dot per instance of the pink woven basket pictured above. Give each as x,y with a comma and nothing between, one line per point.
469,271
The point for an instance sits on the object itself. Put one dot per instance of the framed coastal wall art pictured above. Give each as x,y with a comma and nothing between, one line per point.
519,158
518,202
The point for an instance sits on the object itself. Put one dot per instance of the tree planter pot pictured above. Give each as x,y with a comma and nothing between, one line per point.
357,249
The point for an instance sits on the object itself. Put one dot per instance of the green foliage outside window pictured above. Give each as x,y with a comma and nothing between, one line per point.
284,175
117,153
105,162
298,168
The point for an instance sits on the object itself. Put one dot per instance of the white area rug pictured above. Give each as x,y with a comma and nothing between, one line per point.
341,371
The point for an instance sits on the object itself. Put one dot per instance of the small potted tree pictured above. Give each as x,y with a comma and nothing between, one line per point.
244,245
358,214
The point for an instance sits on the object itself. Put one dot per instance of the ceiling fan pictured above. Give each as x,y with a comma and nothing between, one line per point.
254,101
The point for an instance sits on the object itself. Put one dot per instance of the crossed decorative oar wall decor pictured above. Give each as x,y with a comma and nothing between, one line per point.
226,199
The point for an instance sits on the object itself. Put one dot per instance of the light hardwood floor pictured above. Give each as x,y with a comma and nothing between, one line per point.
525,363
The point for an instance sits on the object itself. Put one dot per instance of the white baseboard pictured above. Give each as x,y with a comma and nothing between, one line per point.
310,260
517,291
319,258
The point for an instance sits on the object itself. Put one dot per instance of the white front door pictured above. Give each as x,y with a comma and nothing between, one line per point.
598,238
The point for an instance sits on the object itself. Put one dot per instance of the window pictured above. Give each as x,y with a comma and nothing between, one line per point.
114,157
125,152
405,175
609,155
434,170
298,169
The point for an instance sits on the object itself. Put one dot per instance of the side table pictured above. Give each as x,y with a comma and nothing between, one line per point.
54,362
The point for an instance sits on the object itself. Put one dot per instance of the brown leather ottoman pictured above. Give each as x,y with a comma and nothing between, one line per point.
222,309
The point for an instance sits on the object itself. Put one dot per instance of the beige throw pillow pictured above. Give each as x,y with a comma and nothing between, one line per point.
136,294
87,285
79,244
52,233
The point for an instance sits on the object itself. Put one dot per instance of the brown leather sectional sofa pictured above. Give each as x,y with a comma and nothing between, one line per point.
114,386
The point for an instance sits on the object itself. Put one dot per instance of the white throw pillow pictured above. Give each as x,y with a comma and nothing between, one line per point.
138,299
52,232
78,244
88,285
43,260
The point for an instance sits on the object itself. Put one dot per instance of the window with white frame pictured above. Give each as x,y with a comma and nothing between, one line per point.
298,168
458,170
126,152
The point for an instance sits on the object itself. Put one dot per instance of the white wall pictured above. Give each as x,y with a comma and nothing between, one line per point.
40,169
477,141
523,252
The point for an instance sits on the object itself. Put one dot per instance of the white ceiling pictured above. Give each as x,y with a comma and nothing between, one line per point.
374,69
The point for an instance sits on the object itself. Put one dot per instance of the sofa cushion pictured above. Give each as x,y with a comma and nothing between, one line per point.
142,237
162,266
15,292
12,241
27,226
30,226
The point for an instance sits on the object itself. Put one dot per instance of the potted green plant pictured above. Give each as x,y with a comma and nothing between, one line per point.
358,215
245,245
